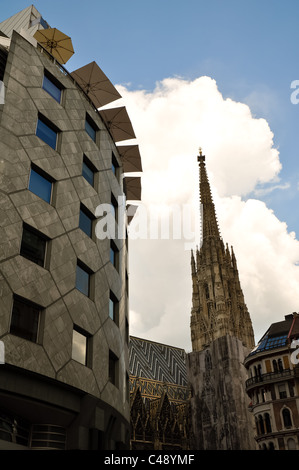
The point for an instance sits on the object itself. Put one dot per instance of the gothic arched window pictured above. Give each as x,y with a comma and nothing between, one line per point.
261,424
287,420
267,422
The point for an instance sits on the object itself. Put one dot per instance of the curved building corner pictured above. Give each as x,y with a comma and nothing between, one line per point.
64,372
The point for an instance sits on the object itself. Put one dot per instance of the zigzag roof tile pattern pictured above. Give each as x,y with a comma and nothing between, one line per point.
157,361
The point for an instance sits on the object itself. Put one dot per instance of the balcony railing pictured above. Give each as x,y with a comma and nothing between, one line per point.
269,377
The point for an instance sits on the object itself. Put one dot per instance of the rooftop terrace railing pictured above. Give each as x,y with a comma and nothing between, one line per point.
269,377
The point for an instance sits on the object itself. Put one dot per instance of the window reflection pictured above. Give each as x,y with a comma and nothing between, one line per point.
85,222
90,128
46,133
79,347
40,186
88,173
50,87
82,280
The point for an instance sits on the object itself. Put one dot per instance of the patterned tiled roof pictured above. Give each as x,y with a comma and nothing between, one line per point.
156,361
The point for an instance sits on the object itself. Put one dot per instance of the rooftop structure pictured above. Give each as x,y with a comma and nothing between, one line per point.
160,396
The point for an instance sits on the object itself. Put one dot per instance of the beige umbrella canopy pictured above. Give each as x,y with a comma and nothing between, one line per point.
57,43
95,84
118,123
132,187
130,157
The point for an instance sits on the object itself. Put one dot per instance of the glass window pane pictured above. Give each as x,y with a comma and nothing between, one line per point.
88,174
79,350
48,135
111,309
85,223
52,89
90,129
33,247
82,280
24,320
40,186
114,164
112,368
112,256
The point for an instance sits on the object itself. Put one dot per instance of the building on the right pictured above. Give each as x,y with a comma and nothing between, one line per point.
273,386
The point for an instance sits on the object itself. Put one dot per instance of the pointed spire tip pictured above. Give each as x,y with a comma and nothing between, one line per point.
200,157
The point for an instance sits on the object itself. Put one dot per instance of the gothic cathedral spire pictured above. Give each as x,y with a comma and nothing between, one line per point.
218,306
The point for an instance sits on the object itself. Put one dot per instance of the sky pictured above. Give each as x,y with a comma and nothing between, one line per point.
221,75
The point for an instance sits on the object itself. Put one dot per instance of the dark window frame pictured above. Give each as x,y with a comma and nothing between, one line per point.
89,165
46,177
42,124
91,128
114,254
287,418
85,214
114,165
87,271
49,78
40,261
113,368
114,207
113,307
16,327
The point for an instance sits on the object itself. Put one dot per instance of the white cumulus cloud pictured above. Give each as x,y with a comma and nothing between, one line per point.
171,123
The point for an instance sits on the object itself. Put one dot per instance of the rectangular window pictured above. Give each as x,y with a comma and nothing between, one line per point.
113,368
114,254
114,207
282,391
79,346
33,245
52,86
114,165
85,221
82,280
47,132
88,171
90,128
25,319
113,307
40,185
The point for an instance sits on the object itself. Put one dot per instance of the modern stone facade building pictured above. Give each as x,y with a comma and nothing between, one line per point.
222,336
273,386
64,290
160,397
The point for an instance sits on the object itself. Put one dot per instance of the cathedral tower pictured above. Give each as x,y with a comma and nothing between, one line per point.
222,336
218,301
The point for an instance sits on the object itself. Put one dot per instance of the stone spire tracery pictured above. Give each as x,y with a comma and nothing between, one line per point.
218,306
